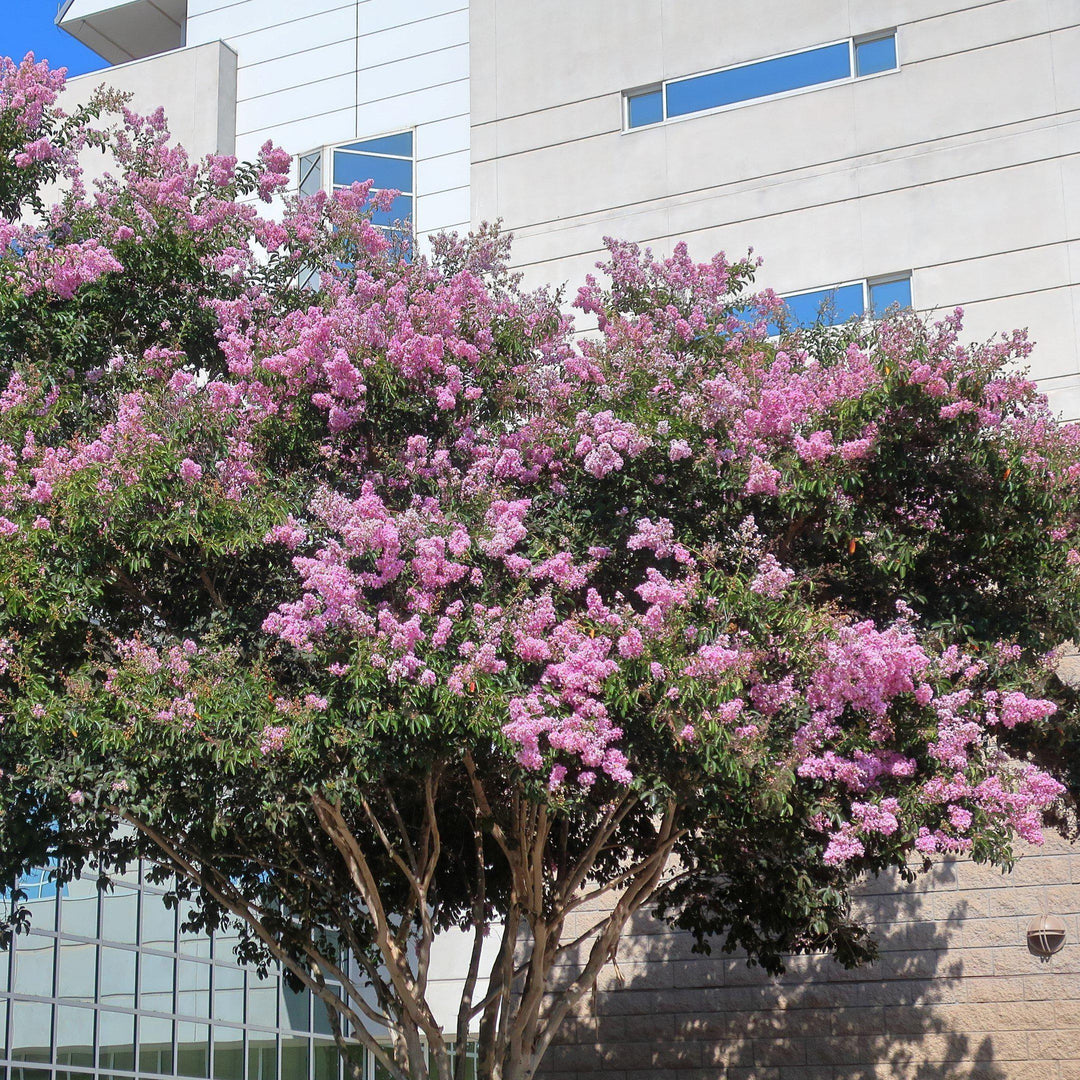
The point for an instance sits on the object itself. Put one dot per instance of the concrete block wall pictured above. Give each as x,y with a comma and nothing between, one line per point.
954,995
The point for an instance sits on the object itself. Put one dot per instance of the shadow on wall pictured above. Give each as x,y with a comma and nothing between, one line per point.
930,1007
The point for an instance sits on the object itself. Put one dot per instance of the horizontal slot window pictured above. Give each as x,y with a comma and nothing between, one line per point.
839,304
876,54
763,79
824,64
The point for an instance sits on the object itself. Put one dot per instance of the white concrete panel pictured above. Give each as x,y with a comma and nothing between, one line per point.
302,135
375,15
287,106
443,137
963,30
405,110
399,77
443,173
442,209
212,20
414,38
254,80
285,39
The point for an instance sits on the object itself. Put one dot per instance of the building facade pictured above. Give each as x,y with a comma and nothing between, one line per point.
918,151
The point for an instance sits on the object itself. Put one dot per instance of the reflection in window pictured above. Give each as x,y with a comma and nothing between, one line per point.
116,1040
192,1049
155,1045
78,971
31,1031
192,988
158,923
34,965
262,1056
762,79
118,977
310,178
79,911
156,981
228,994
120,915
262,1001
327,1060
74,1036
297,1006
294,1058
228,1054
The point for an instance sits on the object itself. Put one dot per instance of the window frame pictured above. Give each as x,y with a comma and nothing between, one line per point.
662,85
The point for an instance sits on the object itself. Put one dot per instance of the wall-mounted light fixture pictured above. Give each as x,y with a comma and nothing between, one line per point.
1045,936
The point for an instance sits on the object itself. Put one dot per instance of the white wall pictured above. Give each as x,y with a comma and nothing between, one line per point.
327,71
963,166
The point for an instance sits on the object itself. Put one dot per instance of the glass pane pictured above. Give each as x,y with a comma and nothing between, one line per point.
294,1058
228,1054
120,916
31,1031
262,1001
194,944
646,108
192,988
228,994
79,912
386,172
40,892
296,1011
34,965
327,1061
78,968
262,1056
388,144
156,982
878,54
320,1016
310,173
192,1049
400,210
116,1040
74,1036
883,294
831,306
31,1074
3,1028
759,80
117,977
158,923
155,1045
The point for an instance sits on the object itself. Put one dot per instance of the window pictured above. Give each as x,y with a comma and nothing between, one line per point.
786,74
839,304
875,53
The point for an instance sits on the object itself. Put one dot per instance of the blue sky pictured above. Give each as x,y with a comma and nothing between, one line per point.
27,25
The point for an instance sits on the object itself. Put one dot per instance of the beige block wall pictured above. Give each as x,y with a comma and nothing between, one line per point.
954,994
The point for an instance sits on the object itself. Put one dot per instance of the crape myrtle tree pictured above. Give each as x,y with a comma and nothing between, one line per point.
366,612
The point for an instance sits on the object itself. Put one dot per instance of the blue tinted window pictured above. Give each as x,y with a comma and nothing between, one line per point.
831,306
877,54
400,210
762,79
386,172
388,144
883,294
646,108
